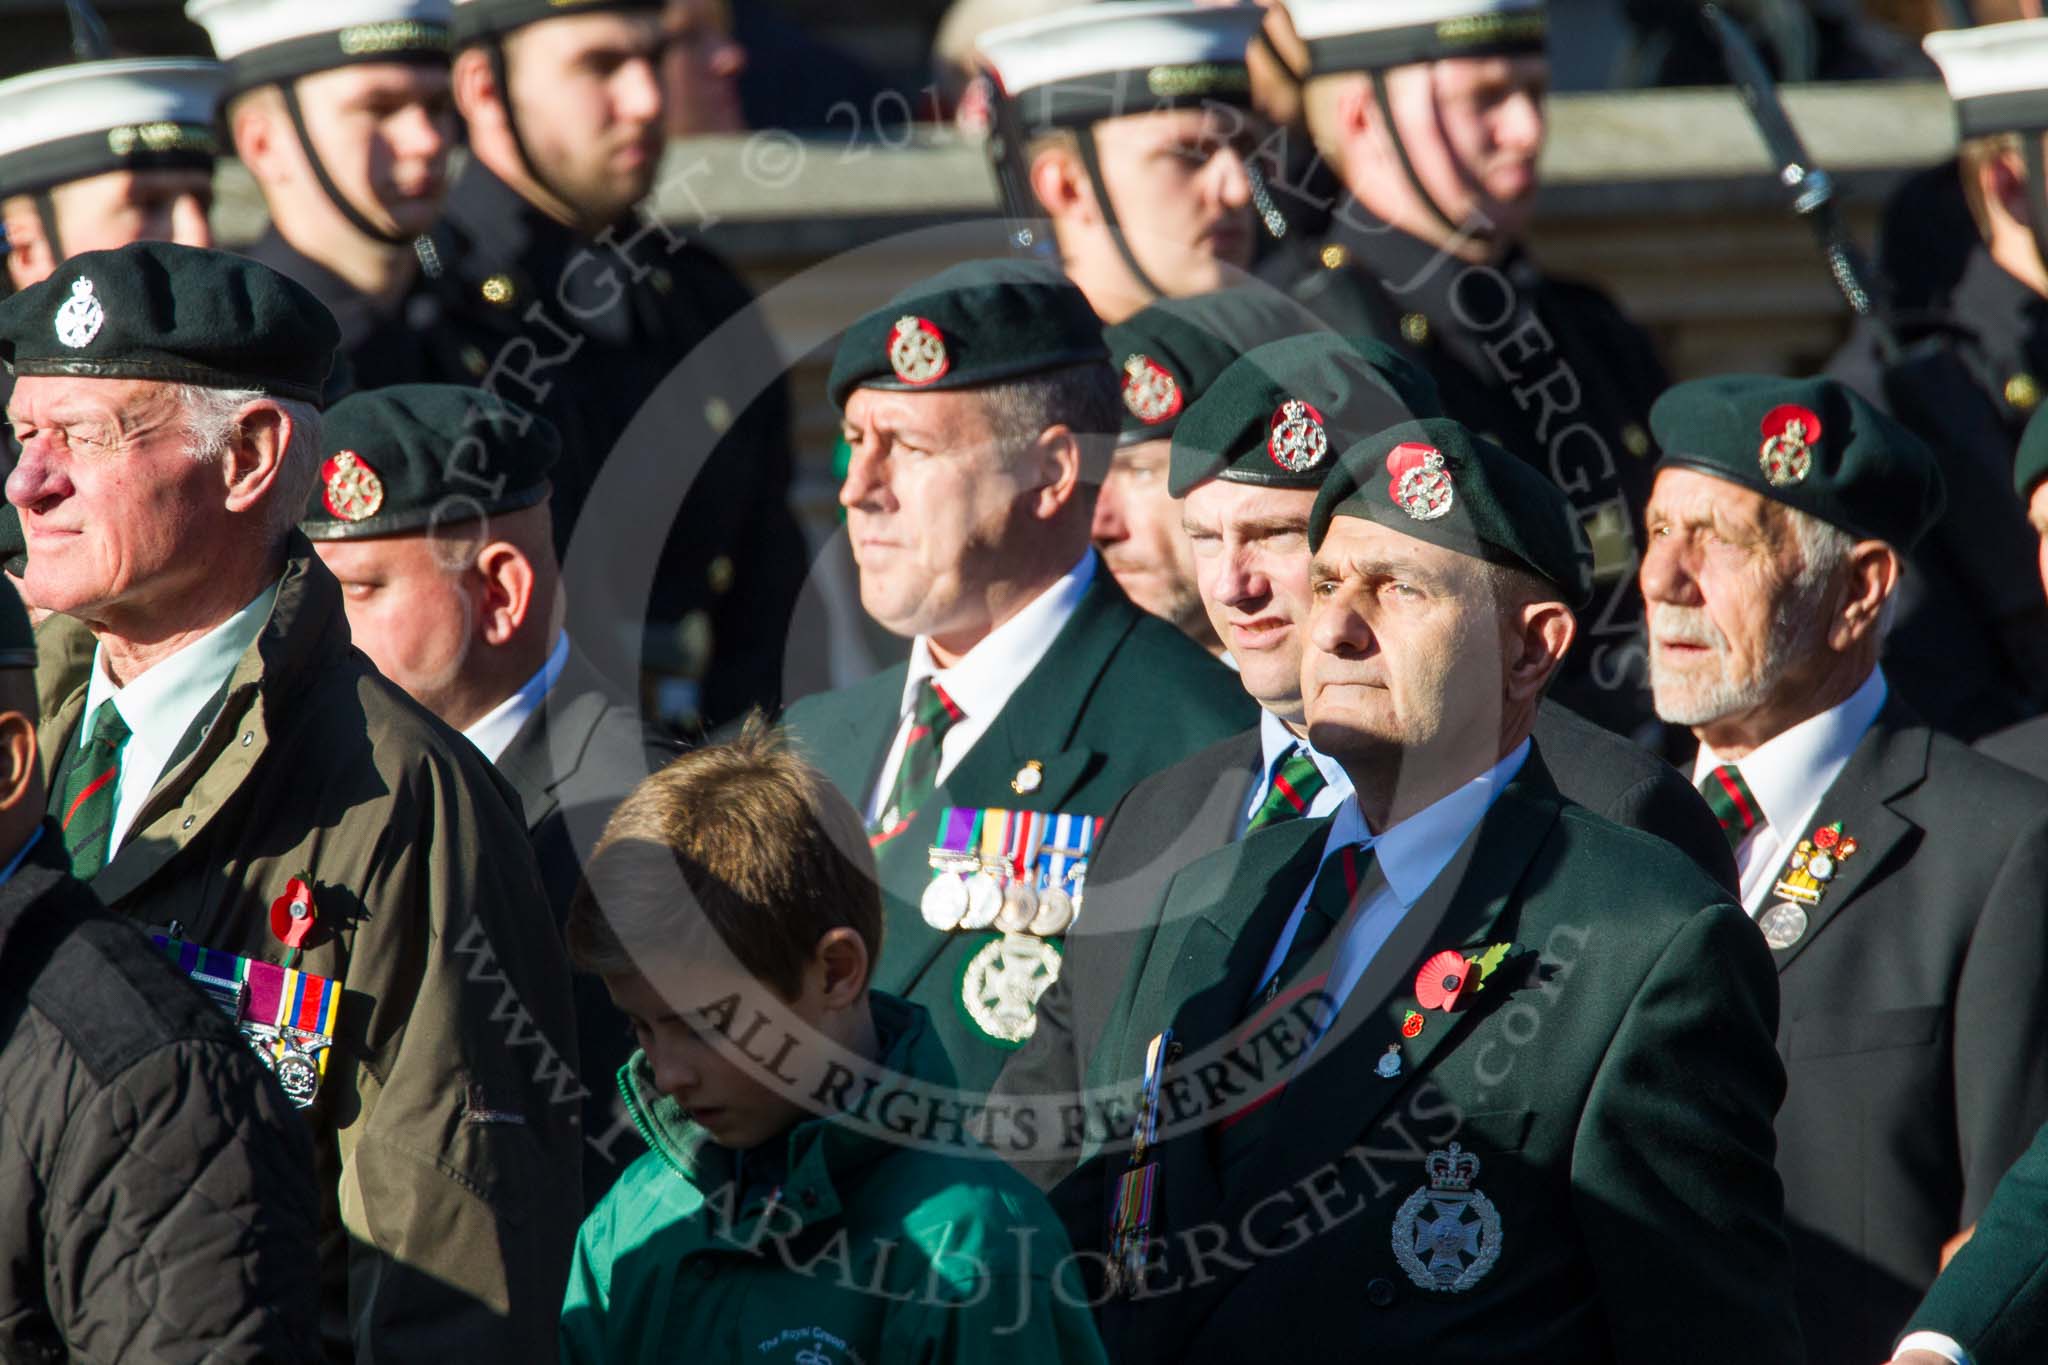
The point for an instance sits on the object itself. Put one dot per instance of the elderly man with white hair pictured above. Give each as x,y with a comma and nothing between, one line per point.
341,873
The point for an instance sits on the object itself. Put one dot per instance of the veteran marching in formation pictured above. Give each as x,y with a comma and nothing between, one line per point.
1386,827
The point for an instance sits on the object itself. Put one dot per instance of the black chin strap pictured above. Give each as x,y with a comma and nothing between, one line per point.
1386,107
2037,192
46,209
495,51
355,216
1085,137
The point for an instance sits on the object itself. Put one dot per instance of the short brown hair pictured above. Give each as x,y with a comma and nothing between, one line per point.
768,852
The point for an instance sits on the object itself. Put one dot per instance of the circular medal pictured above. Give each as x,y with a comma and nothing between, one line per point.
299,1076
1020,907
1000,986
1055,913
945,902
1783,924
984,901
1820,867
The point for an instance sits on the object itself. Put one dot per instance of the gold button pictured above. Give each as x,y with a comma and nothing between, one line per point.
2022,392
498,289
473,360
720,574
1415,328
1335,257
718,413
1635,440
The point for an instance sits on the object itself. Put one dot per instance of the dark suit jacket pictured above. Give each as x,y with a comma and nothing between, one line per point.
1615,1079
1174,817
571,763
2023,746
1914,1011
1119,696
1993,1298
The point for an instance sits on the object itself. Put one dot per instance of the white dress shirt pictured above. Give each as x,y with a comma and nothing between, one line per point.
494,733
1788,774
986,676
161,705
1948,1348
1276,741
1412,855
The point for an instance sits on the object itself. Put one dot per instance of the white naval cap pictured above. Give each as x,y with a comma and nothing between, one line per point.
477,20
1097,61
1347,35
1996,74
65,123
263,41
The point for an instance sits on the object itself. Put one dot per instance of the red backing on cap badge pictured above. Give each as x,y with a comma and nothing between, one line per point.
1150,390
1296,439
1786,456
291,915
349,488
1419,483
917,352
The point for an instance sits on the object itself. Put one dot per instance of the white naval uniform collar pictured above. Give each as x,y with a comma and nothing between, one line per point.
983,680
1788,774
1275,742
494,733
161,705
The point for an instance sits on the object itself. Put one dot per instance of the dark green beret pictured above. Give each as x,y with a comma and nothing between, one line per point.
17,638
13,541
1436,481
476,20
414,456
1173,350
980,323
1813,444
175,314
1281,413
2030,464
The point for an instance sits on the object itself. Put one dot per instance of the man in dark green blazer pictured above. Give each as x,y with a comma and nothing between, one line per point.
979,406
1990,1306
1463,1073
1899,878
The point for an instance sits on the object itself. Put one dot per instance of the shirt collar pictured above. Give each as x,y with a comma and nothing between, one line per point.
1789,771
1414,853
494,733
161,705
1276,741
983,680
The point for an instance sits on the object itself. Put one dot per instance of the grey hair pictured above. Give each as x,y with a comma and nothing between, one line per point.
1823,550
1086,399
211,419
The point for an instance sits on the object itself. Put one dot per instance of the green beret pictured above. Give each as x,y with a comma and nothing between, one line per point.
980,323
1282,412
477,20
17,637
2030,464
175,314
1173,350
13,541
1813,444
415,456
1436,481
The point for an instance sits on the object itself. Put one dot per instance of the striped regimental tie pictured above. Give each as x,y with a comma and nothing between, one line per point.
1297,781
1729,797
83,802
917,776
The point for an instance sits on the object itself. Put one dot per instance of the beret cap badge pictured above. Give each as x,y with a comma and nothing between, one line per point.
1150,390
351,490
81,317
917,352
1786,455
1297,441
1418,482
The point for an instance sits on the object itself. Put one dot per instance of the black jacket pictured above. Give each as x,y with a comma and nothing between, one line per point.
156,1187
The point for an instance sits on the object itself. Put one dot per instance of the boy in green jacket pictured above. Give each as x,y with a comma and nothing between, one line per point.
812,1193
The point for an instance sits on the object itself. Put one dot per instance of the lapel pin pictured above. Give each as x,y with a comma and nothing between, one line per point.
1029,778
1389,1064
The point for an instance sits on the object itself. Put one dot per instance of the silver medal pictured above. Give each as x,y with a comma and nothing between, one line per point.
1020,908
1055,913
984,902
1783,924
945,902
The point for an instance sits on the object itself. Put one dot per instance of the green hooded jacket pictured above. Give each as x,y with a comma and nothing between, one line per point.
870,1250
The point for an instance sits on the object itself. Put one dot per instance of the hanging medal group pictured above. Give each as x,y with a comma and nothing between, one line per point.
1015,871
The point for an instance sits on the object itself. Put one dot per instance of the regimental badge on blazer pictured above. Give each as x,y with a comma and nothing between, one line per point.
288,1016
1447,1234
1815,862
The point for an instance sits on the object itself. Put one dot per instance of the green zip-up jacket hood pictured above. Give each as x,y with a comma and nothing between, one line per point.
870,1249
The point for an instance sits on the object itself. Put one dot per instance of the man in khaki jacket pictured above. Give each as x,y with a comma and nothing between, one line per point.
344,875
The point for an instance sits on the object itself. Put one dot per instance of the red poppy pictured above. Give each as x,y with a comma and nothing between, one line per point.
1441,981
1411,1027
291,915
1826,837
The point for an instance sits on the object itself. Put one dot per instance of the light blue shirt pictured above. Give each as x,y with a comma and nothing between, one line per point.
161,705
494,733
1276,742
1412,855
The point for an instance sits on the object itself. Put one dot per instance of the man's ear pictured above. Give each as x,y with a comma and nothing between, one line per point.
839,968
507,594
255,455
29,258
1544,631
474,83
253,126
1357,111
21,773
2002,180
1872,576
1062,186
1053,470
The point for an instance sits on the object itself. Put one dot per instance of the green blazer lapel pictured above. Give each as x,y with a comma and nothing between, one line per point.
847,734
1891,759
1338,1093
